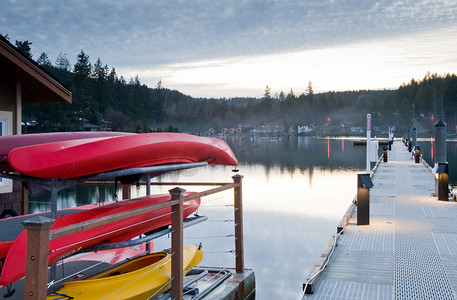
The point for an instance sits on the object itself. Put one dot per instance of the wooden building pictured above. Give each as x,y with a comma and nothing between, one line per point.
21,80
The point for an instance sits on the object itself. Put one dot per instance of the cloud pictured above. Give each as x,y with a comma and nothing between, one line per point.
143,35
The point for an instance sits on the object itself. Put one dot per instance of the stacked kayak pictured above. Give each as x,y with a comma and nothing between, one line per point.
140,278
10,142
74,155
123,230
77,158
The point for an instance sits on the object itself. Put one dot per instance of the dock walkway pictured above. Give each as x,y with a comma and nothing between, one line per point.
409,250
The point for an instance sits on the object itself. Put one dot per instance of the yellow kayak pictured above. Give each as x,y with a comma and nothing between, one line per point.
139,278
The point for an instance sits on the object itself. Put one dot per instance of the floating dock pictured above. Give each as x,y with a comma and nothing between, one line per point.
226,284
409,248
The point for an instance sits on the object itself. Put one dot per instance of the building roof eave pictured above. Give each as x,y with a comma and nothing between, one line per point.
37,85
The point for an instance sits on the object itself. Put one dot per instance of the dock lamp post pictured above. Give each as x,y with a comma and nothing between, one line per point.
417,154
364,184
384,153
442,181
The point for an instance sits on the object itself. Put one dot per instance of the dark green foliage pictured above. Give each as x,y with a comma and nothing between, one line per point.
24,47
100,95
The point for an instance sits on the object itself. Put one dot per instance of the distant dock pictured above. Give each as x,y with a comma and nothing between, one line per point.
409,250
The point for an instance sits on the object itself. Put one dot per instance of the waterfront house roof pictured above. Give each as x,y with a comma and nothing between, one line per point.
37,85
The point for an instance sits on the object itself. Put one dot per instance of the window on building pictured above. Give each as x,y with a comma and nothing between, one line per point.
5,129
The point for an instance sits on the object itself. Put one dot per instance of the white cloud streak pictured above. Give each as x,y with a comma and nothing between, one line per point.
148,35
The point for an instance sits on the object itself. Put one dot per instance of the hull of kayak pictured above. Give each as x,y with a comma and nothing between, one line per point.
77,158
122,230
140,278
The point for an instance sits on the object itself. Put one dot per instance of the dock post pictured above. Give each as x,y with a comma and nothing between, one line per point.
439,151
239,244
384,153
440,142
414,136
417,154
409,140
36,272
442,181
177,244
364,184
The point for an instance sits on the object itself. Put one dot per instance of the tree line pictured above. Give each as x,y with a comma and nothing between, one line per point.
100,94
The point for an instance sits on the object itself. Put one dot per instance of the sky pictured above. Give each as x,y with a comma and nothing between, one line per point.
214,48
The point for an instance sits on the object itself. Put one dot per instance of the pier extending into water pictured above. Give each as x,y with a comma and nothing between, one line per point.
409,249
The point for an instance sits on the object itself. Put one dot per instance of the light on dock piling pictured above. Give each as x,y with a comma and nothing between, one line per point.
384,153
442,181
417,154
364,184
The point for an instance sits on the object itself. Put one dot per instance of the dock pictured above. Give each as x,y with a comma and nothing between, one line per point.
202,282
409,248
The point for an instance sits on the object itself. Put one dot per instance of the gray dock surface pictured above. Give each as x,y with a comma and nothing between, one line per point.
409,250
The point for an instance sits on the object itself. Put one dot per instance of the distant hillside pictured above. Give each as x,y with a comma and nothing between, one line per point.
102,98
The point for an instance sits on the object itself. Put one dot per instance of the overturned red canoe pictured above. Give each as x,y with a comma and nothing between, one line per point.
10,142
123,230
76,158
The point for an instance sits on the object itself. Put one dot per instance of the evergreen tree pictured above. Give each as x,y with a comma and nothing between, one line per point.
44,61
24,47
82,68
309,89
62,62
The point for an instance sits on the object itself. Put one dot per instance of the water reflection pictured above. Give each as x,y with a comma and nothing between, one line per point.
74,196
426,148
297,153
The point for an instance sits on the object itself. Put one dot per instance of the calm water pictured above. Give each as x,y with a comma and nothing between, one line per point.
426,147
295,191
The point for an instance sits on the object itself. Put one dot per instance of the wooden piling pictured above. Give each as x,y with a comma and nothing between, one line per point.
177,244
414,137
439,150
36,272
239,247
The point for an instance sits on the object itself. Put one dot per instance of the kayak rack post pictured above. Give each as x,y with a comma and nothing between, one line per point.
36,276
238,209
238,199
177,278
148,192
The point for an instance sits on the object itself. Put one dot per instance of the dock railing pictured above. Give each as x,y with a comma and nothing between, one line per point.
39,234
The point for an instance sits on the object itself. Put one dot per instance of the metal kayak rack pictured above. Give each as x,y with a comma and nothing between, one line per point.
55,185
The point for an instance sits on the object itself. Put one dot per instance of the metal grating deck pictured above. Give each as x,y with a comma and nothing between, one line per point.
409,250
419,272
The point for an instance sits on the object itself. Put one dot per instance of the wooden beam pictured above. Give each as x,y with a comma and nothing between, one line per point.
61,232
211,191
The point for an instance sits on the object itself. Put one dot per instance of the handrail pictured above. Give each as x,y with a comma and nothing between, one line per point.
40,230
86,225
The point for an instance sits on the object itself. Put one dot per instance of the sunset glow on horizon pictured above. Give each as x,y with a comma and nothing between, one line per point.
372,65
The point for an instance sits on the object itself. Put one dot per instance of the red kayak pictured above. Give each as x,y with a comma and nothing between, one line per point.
111,256
10,142
123,230
12,227
76,158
